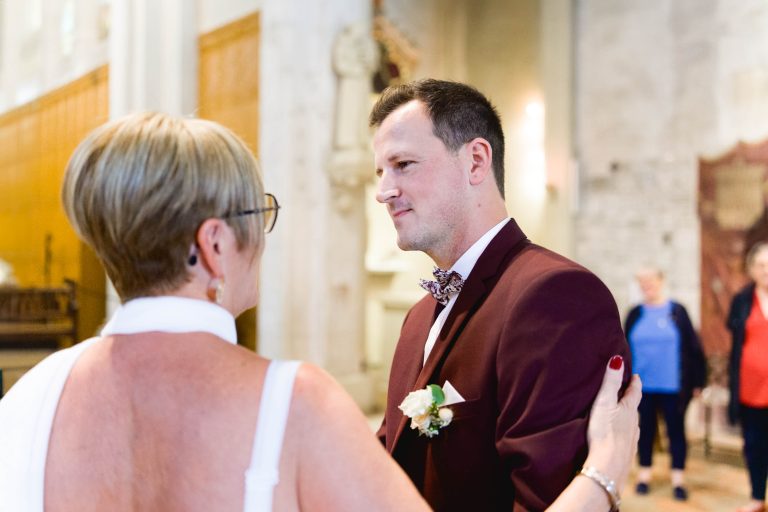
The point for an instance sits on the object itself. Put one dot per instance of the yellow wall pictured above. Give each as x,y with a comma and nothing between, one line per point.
229,94
36,141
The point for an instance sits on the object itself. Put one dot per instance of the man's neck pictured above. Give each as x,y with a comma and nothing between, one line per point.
450,256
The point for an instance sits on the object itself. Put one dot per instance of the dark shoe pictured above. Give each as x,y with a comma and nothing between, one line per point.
680,493
642,488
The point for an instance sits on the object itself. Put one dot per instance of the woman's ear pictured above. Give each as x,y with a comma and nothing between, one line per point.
480,156
210,239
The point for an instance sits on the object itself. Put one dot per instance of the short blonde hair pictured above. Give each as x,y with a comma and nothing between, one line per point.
649,270
138,188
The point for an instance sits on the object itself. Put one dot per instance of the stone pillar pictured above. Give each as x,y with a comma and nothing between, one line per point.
312,279
152,63
153,57
355,56
556,65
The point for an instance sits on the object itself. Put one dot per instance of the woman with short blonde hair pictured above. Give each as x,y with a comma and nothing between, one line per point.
164,411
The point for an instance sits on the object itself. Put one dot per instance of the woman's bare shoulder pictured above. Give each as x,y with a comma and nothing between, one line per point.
334,435
317,393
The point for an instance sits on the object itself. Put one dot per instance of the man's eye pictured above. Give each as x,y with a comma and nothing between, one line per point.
404,164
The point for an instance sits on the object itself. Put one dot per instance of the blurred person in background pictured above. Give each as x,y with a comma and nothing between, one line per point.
667,354
748,371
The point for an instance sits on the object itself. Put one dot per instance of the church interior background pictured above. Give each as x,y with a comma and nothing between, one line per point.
633,137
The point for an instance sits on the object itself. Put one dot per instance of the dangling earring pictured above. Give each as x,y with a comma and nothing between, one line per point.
215,290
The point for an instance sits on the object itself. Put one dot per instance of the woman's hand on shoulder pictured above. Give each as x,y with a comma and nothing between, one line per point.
612,435
614,426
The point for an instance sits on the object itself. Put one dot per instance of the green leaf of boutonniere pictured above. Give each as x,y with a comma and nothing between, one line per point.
437,394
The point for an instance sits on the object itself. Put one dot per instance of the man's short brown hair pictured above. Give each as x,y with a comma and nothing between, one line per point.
459,113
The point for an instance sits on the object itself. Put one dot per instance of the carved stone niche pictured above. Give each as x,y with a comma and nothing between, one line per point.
355,55
732,208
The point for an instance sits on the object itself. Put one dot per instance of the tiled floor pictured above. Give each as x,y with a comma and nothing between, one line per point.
712,487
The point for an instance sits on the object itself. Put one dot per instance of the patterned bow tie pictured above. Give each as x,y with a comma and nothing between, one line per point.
448,283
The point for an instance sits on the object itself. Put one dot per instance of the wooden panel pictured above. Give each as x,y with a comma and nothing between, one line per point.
36,141
229,81
229,94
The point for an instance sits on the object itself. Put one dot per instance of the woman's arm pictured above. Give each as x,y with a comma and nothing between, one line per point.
342,465
612,436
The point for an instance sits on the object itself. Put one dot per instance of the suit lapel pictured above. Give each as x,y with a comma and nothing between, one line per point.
474,290
506,243
409,354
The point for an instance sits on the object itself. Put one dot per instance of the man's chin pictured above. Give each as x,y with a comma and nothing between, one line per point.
406,245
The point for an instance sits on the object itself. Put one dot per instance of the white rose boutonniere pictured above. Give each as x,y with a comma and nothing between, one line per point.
423,407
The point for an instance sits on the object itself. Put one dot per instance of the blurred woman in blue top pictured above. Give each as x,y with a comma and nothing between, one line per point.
667,355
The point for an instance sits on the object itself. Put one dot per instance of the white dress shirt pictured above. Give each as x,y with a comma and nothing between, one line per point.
463,266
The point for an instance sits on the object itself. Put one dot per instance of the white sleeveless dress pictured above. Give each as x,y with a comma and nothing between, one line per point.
28,410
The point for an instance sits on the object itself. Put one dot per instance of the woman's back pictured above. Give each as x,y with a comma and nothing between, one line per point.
162,412
158,421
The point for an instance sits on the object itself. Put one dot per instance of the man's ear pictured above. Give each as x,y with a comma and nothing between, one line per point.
209,238
480,156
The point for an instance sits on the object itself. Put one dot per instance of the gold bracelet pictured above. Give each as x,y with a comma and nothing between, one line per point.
606,483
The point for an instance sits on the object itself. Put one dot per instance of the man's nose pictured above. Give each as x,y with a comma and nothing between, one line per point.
387,189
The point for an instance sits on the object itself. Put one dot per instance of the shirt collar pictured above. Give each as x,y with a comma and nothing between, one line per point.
172,314
466,262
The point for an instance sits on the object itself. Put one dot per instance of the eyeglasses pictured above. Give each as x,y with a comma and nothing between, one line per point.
269,211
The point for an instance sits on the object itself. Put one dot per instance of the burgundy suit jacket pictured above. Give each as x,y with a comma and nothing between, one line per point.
526,344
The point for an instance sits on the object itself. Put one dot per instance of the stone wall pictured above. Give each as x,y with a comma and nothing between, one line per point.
643,212
659,84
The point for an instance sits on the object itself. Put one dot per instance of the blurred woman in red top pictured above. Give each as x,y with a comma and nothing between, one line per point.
748,371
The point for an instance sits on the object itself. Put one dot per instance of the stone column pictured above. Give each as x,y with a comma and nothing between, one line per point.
153,57
312,281
556,42
355,56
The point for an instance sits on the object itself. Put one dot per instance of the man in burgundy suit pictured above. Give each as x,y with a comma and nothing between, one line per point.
522,345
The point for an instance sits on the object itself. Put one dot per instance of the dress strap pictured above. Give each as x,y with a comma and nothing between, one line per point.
262,475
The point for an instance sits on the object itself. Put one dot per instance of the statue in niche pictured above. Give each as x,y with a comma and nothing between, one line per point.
355,55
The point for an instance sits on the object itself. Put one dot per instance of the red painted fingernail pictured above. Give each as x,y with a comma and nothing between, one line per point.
615,362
